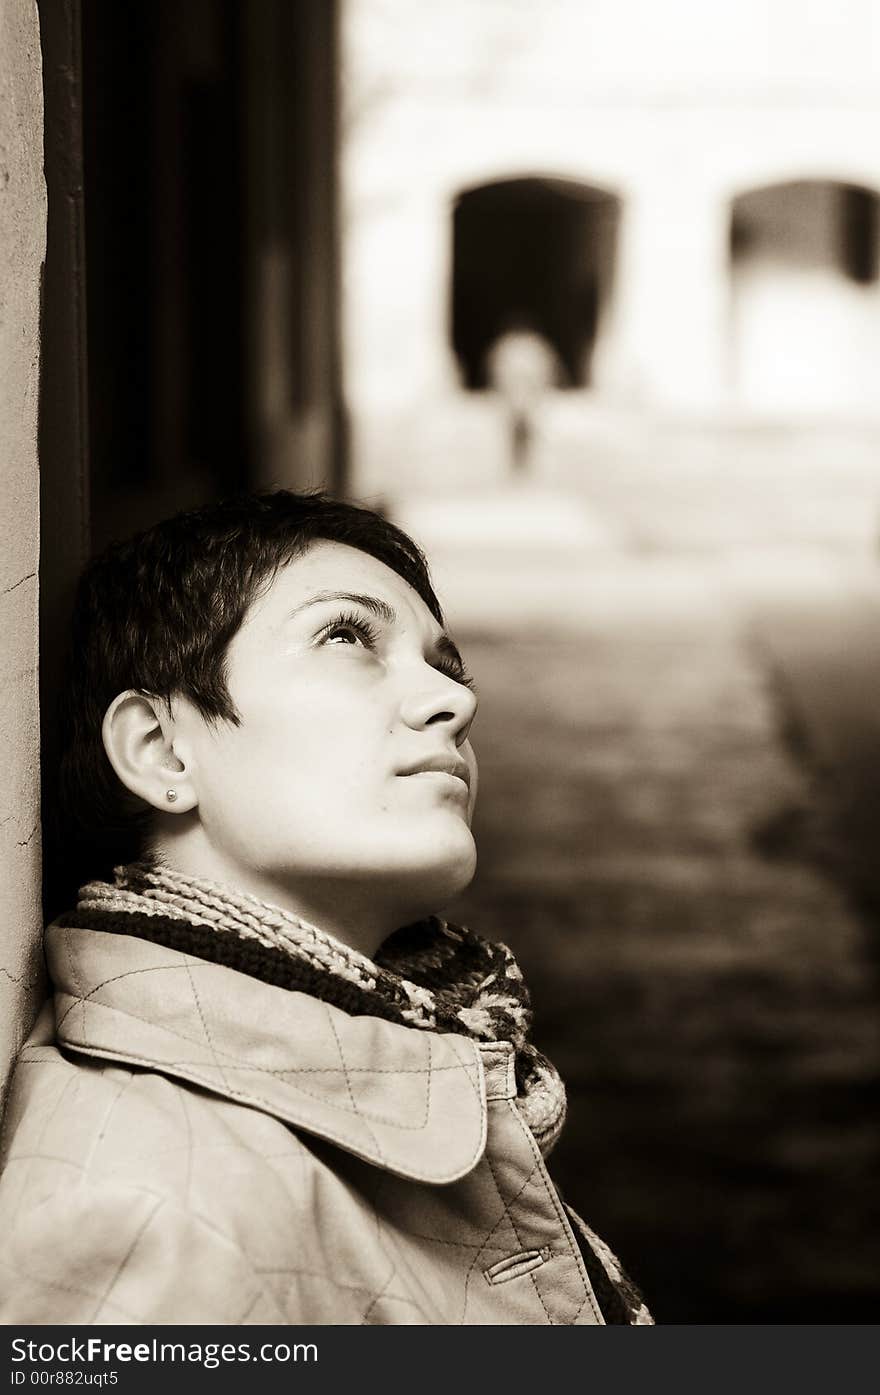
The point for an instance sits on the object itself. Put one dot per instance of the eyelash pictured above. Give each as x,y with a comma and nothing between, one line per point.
370,635
362,628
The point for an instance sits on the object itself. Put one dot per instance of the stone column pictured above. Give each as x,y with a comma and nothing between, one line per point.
400,372
666,342
22,248
396,300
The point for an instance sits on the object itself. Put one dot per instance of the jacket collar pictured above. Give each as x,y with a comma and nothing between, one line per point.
410,1101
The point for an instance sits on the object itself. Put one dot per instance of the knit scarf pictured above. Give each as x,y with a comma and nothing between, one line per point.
432,975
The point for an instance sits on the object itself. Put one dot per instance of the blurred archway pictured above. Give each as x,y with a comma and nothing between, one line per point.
805,295
534,253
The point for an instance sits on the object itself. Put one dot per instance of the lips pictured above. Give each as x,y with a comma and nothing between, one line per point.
441,765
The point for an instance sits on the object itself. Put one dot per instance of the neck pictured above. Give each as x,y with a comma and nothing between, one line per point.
351,913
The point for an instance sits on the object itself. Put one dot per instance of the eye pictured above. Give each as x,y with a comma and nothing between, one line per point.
349,629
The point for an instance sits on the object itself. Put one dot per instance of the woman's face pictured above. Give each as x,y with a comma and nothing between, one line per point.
351,767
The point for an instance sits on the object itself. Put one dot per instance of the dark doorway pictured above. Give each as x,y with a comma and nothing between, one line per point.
532,252
810,222
804,296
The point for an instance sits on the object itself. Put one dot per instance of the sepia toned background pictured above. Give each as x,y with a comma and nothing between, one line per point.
586,295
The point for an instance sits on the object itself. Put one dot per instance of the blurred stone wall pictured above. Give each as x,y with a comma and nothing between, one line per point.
22,249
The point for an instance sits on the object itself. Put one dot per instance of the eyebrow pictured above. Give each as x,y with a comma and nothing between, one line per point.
382,610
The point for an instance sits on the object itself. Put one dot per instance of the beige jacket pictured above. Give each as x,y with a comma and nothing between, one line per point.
185,1144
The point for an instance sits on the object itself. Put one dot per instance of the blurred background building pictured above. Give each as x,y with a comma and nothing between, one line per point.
586,295
681,198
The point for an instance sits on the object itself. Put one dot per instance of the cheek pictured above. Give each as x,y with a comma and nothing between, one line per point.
293,758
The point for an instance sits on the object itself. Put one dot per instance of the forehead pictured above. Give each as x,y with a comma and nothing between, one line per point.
330,567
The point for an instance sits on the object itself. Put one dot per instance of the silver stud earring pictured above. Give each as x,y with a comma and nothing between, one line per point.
171,795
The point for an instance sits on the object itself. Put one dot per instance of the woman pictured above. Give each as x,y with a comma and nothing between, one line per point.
272,1086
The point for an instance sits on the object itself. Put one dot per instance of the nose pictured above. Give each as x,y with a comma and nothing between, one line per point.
435,699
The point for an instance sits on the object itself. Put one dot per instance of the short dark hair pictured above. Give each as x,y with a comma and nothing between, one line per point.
157,613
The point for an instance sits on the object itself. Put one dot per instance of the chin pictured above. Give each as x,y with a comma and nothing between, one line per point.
433,880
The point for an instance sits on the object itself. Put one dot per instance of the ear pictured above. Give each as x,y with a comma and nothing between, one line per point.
138,734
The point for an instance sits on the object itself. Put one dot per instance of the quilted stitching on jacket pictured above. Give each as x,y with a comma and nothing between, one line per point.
196,1146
